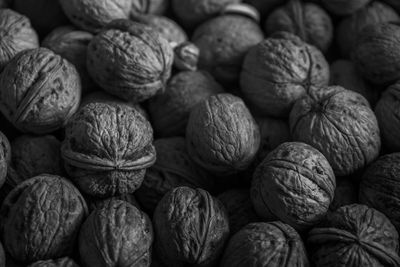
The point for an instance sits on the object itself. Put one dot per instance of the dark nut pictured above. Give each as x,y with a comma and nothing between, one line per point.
130,60
40,91
265,244
354,233
62,262
307,20
265,7
41,217
344,7
107,148
191,228
394,3
346,193
280,70
16,35
118,234
221,135
170,111
294,184
340,124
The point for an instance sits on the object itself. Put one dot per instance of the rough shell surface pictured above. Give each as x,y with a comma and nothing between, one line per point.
294,184
280,70
170,110
108,146
265,244
172,168
222,135
130,60
98,203
191,227
340,124
307,20
117,234
62,262
344,7
41,217
354,234
39,91
16,34
5,158
223,43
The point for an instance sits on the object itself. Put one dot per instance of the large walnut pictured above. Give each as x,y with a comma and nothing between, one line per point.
170,110
280,70
344,7
191,228
41,217
62,262
107,148
340,124
265,244
117,234
354,235
294,184
307,20
222,136
16,35
130,60
40,91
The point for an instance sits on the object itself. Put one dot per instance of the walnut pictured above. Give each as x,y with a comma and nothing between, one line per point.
62,262
140,7
5,158
344,7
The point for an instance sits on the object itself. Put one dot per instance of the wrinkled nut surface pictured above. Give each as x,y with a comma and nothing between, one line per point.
191,228
221,135
170,110
280,70
107,148
380,187
340,124
307,20
16,35
39,91
387,113
223,43
265,244
354,233
172,168
62,262
41,217
92,16
5,158
377,53
117,234
344,7
99,203
294,184
130,60
349,27
71,44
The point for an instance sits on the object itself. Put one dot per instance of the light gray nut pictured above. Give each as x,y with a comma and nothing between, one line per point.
186,56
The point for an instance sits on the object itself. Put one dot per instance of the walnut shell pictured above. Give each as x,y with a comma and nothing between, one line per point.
41,217
340,124
223,43
130,60
348,28
172,168
92,16
170,110
294,184
265,244
62,262
107,148
354,235
40,91
191,228
344,7
377,53
346,193
387,113
307,20
71,44
240,210
5,158
191,13
34,155
16,34
140,7
345,74
221,135
99,203
380,187
280,70
118,234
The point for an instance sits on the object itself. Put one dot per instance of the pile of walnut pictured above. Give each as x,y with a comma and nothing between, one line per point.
204,133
